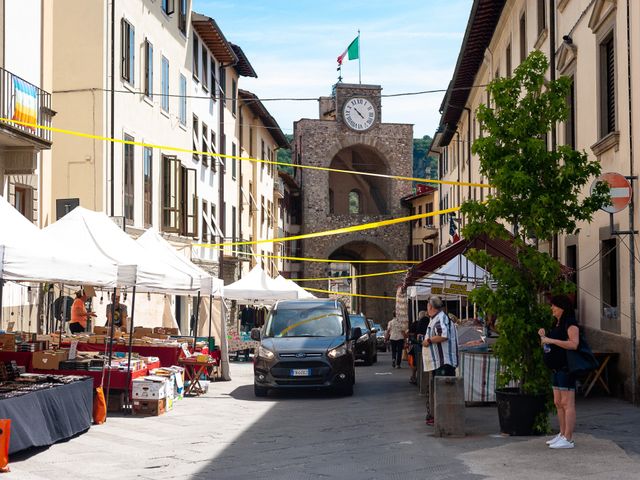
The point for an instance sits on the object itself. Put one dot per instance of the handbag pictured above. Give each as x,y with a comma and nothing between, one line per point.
581,360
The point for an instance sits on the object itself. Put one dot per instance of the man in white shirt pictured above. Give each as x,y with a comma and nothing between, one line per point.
396,333
440,352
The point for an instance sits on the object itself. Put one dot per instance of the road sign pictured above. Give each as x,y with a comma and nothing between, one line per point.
620,191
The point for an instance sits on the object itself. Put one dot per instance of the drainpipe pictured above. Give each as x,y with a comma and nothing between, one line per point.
112,101
552,77
632,252
240,180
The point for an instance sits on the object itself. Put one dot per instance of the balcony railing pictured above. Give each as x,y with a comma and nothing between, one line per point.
24,102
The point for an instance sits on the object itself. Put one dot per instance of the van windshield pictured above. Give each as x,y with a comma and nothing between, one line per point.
311,322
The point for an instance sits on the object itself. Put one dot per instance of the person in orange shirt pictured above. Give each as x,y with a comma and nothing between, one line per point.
79,314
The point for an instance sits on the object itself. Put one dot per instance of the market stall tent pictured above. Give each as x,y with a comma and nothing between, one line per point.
257,287
26,254
97,235
291,285
164,253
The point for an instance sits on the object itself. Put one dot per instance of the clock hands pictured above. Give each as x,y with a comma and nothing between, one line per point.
358,112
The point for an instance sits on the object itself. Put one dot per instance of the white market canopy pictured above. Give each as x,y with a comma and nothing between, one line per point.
95,234
257,287
164,253
27,255
291,285
458,270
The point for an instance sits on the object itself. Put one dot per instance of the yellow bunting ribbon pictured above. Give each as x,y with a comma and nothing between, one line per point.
395,272
234,157
349,294
338,231
326,260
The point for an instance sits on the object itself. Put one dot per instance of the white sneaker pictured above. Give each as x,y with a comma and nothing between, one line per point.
563,443
554,439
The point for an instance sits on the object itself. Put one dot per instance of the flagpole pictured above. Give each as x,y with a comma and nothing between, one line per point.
359,61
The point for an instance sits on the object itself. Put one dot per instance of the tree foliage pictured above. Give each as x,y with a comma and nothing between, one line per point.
284,156
423,166
538,193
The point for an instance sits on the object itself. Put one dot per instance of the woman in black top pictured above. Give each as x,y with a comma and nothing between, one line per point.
564,336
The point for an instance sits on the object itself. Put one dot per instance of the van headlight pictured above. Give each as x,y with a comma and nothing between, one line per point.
363,338
338,351
264,353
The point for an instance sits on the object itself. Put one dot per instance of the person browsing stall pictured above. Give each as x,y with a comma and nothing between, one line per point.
79,314
396,333
565,335
440,352
119,313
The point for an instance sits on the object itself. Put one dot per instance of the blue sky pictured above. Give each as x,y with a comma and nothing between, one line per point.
405,45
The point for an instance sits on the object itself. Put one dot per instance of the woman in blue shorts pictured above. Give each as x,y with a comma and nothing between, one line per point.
564,336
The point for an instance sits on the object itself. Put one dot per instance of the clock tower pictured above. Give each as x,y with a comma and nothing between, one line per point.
349,140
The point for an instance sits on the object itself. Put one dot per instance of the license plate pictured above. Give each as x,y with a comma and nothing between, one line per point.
300,372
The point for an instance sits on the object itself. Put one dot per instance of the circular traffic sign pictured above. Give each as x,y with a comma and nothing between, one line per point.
619,190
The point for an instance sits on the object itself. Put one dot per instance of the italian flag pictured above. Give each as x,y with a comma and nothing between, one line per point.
353,50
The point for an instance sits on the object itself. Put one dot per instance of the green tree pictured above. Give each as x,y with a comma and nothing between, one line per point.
423,166
538,193
284,156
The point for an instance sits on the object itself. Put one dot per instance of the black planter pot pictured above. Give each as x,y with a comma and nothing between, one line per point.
517,412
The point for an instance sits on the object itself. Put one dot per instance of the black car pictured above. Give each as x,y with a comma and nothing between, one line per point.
366,345
305,343
380,341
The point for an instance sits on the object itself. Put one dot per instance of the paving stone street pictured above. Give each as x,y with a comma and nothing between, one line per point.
379,433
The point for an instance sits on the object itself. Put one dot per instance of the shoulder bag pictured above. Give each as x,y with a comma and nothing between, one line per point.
581,360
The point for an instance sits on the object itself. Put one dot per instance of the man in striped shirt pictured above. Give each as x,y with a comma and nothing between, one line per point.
440,352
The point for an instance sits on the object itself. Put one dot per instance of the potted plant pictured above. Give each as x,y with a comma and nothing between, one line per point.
537,192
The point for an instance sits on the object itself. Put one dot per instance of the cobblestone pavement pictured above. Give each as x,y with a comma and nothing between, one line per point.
379,433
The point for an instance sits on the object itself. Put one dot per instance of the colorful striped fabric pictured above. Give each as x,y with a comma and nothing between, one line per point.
479,371
25,102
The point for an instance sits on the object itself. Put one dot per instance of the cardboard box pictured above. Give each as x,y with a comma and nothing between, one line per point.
100,330
166,330
49,359
149,388
149,407
169,403
115,402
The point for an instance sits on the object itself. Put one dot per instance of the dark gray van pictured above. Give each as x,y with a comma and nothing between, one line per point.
305,343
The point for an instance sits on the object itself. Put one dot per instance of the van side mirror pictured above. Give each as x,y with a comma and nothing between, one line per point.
356,333
255,334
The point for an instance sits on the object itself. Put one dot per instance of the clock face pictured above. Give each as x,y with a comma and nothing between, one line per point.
359,114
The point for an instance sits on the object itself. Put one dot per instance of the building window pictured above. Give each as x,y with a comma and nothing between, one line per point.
205,68
234,152
428,208
170,192
168,6
195,130
609,285
129,186
233,224
23,201
354,202
183,100
223,84
212,81
428,250
182,16
523,37
570,123
262,207
419,221
189,202
607,86
542,16
234,95
205,232
165,84
508,60
571,261
205,145
128,52
148,69
214,160
196,57
147,173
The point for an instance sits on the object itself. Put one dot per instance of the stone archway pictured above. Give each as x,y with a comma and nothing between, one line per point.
372,193
380,310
